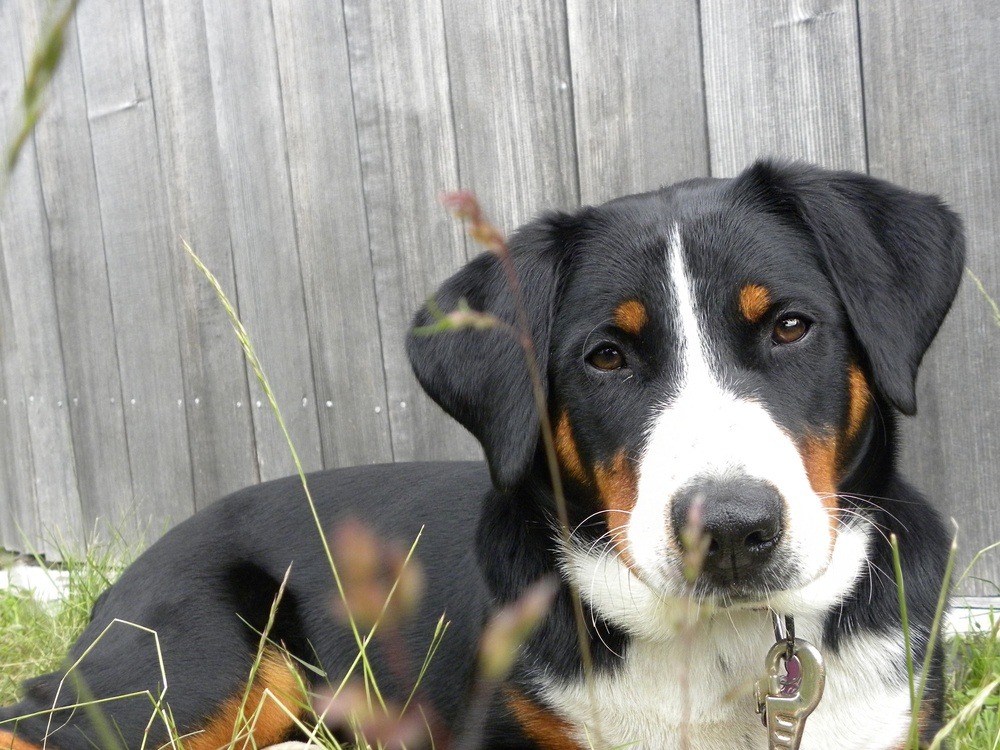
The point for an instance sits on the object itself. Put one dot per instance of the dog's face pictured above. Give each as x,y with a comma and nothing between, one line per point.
716,353
705,395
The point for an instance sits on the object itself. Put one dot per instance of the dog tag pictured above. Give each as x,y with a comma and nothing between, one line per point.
786,700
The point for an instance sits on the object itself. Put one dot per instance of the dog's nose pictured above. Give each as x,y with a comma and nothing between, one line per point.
741,517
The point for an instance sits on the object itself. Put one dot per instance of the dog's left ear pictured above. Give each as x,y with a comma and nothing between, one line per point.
480,375
895,257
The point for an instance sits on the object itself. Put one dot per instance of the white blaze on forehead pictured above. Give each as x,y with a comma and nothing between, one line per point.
692,347
705,430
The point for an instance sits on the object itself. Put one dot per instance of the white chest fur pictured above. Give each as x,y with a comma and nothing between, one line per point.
695,691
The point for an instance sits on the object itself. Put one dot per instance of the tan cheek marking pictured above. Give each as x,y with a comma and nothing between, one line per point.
859,400
819,456
567,452
618,485
10,742
268,718
631,316
548,730
755,300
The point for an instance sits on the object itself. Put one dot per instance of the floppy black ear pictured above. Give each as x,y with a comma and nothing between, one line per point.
480,376
895,257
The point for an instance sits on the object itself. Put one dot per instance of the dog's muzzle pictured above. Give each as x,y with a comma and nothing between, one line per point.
732,526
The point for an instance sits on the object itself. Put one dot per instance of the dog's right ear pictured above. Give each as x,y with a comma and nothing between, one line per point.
480,376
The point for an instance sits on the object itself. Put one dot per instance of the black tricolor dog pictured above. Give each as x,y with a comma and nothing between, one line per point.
721,355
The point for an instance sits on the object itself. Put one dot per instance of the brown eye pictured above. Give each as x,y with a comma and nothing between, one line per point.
789,329
606,357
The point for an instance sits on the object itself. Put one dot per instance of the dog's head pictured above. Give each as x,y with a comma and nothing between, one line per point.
714,355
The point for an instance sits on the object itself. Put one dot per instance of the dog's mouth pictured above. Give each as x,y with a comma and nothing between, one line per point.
726,584
736,597
751,591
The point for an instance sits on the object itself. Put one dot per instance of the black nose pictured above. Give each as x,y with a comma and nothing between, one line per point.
740,516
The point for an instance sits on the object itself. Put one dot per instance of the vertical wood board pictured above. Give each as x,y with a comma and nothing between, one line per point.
19,523
269,285
638,95
933,86
399,75
215,378
80,278
509,77
783,79
18,509
327,198
31,344
142,283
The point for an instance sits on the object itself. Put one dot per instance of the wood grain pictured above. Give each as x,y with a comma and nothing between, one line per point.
221,435
269,287
638,95
30,348
68,180
143,288
328,201
783,78
399,76
509,74
933,87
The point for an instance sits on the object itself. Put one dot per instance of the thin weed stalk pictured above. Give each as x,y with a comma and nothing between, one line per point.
904,614
251,355
372,692
918,687
465,206
44,62
262,644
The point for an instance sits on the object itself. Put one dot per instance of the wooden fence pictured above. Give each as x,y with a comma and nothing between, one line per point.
300,148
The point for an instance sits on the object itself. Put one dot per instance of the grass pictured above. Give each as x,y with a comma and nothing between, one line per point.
36,637
974,690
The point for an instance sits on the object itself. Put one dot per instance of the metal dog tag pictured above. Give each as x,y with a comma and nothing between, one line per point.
786,700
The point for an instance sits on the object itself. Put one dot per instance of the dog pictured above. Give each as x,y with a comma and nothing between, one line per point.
722,360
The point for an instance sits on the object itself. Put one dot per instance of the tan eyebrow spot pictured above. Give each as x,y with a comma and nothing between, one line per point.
631,316
754,302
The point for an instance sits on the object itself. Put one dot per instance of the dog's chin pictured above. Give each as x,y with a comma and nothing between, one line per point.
757,590
786,589
742,599
737,596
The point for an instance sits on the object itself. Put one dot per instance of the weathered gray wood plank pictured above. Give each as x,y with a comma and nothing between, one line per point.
215,379
19,523
638,95
783,78
80,278
509,74
31,346
332,232
399,77
269,287
932,86
239,135
18,512
143,287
